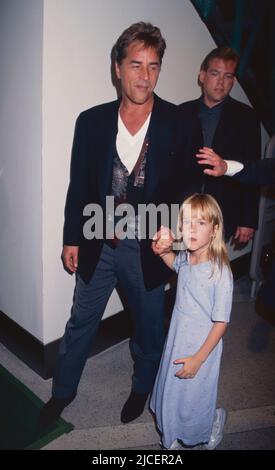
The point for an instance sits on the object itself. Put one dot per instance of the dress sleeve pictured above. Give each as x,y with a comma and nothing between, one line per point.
223,296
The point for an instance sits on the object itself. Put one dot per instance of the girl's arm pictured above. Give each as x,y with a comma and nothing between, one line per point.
193,363
168,259
216,333
162,246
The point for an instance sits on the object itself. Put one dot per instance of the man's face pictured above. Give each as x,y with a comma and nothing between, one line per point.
138,73
217,81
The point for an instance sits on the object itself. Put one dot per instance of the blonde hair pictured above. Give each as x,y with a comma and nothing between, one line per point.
210,210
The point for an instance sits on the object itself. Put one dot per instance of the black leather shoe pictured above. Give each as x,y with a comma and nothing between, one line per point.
51,411
133,407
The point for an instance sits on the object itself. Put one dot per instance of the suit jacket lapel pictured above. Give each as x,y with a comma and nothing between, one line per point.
222,134
158,133
195,141
151,174
106,154
198,134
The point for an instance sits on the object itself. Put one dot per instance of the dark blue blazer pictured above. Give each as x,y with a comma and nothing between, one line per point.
237,137
258,173
91,179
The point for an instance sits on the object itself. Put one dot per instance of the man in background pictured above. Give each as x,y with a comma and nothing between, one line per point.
216,124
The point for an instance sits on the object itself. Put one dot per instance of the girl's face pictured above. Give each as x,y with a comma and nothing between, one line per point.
197,231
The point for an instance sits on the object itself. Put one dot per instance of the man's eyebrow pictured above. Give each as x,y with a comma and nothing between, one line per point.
219,71
140,62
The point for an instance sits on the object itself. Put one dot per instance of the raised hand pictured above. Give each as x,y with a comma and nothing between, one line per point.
207,156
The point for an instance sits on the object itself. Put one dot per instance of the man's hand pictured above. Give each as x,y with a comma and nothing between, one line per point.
70,257
207,156
163,241
244,234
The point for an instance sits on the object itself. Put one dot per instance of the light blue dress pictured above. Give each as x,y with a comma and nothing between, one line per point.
185,408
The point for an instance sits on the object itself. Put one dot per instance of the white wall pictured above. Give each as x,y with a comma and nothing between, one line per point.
20,162
78,36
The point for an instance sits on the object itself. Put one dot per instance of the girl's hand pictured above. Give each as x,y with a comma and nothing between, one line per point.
190,368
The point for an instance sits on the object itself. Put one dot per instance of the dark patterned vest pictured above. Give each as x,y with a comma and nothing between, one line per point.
128,188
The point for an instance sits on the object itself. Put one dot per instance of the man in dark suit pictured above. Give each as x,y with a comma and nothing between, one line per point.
124,149
261,173
216,124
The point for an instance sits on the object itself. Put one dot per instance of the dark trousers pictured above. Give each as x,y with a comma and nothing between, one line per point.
122,265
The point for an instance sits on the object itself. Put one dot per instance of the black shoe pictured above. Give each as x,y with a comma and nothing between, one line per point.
51,411
133,407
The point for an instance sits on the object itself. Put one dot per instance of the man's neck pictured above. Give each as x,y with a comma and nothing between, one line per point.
134,115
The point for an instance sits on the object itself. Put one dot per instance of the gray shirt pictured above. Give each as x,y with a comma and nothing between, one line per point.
209,118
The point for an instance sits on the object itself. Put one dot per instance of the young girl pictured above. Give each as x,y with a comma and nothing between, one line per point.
185,391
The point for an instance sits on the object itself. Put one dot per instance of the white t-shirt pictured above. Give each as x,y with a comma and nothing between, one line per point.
129,146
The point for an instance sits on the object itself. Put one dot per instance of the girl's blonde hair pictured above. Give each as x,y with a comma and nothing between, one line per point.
210,210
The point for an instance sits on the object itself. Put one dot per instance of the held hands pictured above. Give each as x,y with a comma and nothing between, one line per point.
70,257
190,367
207,156
163,241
